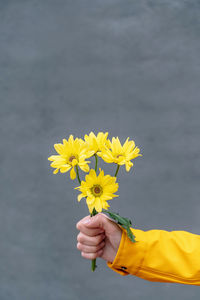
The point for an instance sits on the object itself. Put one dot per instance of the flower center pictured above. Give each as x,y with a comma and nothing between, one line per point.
97,190
71,158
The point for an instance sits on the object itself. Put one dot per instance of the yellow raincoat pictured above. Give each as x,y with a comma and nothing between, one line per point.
160,255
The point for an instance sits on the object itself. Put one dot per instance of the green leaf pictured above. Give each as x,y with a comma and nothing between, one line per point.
120,220
130,235
124,222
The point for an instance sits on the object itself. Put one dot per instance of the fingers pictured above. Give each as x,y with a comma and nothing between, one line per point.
90,240
91,231
98,237
92,255
91,247
91,252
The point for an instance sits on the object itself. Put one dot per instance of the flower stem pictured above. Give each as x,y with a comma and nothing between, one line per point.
93,263
117,170
77,173
96,162
94,212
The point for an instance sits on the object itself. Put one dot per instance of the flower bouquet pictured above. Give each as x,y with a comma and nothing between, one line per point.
97,188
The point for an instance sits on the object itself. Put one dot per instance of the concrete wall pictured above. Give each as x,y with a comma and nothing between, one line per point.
68,67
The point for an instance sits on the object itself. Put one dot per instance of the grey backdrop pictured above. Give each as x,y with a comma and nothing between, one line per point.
128,67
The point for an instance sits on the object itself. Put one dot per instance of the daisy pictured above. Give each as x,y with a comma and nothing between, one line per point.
71,154
98,190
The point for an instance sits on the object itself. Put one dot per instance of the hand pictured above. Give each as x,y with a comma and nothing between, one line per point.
98,237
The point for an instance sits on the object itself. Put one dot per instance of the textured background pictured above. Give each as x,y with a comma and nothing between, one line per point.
128,67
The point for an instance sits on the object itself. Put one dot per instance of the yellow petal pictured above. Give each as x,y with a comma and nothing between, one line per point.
56,164
98,205
65,142
92,174
84,168
52,157
65,168
74,162
90,207
128,166
59,148
90,200
106,205
72,174
80,197
55,171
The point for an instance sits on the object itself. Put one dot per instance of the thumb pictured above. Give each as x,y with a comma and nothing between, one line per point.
100,221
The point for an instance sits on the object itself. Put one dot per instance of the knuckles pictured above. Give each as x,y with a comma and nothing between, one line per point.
99,238
89,255
78,246
80,238
78,225
93,241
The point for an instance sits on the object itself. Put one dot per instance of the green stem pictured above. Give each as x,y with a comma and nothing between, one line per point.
94,212
96,162
93,263
77,173
118,166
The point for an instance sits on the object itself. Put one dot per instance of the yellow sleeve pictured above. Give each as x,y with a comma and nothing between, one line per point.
160,255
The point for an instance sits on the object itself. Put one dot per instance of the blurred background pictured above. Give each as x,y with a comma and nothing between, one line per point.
131,68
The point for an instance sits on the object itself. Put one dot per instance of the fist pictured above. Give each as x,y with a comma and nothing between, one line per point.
99,236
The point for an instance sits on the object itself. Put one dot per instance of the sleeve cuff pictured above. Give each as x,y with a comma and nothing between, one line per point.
130,255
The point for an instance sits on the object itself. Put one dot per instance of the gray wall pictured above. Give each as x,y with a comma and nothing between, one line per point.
128,67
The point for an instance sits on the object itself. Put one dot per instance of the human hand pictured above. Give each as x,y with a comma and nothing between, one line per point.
98,237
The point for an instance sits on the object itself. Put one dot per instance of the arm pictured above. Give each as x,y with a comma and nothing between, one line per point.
160,256
157,255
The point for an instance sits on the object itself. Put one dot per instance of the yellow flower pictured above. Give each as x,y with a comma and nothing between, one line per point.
72,153
121,155
98,190
96,143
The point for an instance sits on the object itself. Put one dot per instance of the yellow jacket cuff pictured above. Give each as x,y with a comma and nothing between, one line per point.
130,255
